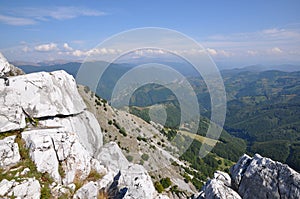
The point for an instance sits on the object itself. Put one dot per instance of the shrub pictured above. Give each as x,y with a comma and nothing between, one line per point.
159,188
145,156
123,132
129,158
166,182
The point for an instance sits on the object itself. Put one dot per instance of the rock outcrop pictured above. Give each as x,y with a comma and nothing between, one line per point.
9,152
8,69
50,130
256,177
54,148
29,188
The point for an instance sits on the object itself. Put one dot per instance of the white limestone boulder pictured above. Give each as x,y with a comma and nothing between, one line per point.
39,95
89,190
29,188
42,152
9,152
264,178
86,127
219,188
54,148
4,65
111,156
138,182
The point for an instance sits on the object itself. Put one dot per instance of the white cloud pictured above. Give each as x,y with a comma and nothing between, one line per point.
94,52
33,15
26,49
276,50
252,52
16,21
46,47
60,13
211,51
67,47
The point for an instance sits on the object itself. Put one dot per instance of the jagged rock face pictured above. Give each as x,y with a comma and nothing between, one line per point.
256,178
51,148
9,152
237,171
85,125
219,188
39,95
112,157
138,182
4,65
29,188
89,190
261,177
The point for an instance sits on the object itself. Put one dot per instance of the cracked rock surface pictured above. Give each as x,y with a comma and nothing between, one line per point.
9,152
39,95
254,177
54,148
29,188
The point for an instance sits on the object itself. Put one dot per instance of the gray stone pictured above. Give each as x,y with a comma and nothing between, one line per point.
39,95
50,148
89,190
265,178
29,188
86,127
219,188
111,156
9,152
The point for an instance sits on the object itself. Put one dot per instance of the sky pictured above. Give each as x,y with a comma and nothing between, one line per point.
234,33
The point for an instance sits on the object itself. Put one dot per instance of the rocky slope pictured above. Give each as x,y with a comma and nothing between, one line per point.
51,146
140,140
256,177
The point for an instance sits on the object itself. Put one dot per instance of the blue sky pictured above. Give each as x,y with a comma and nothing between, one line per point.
235,33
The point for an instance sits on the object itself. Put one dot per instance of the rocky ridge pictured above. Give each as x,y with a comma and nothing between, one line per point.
51,146
254,177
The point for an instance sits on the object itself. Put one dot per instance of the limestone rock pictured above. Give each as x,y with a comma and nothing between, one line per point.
256,177
237,171
111,156
29,188
86,127
54,148
11,117
265,178
138,182
132,182
9,152
219,188
42,95
4,65
89,190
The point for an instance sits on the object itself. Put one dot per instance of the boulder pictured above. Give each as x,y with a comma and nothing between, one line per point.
86,127
89,190
38,95
265,178
29,188
4,65
9,152
111,156
238,170
132,182
138,182
218,188
57,150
